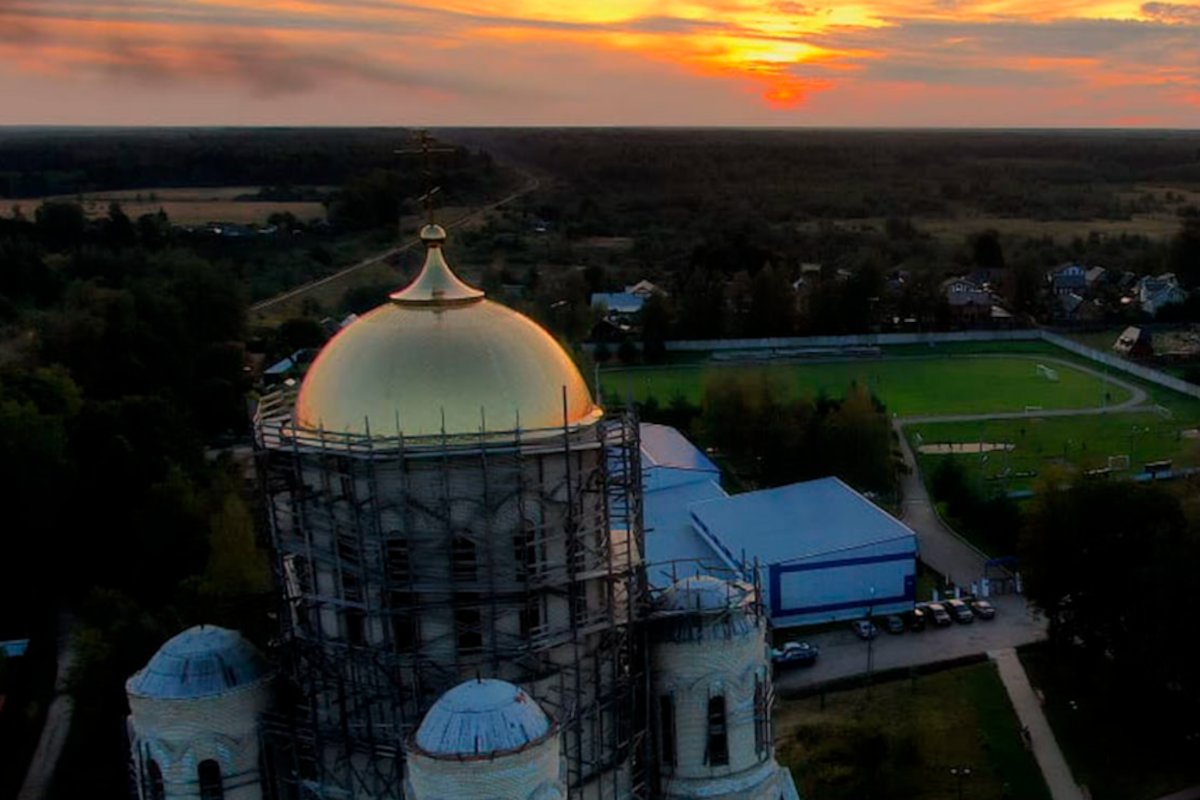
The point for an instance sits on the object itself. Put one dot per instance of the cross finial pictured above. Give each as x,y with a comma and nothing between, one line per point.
427,151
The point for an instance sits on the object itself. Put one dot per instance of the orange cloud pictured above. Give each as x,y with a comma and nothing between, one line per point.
764,59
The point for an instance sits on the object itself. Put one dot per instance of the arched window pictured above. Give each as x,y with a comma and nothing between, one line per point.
762,718
211,787
154,781
718,737
463,560
666,722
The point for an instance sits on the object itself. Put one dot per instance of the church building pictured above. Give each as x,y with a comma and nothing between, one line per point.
466,608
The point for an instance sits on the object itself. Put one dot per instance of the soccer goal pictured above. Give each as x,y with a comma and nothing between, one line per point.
1048,373
1118,463
1163,412
1032,409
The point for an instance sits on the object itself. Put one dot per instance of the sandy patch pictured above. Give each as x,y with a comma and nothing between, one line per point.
965,447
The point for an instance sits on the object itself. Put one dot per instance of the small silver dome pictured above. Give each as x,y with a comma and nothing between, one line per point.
481,718
200,662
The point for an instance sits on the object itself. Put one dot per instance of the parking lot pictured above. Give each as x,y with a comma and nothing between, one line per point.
843,654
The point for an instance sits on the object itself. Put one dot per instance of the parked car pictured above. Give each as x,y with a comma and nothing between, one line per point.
800,654
864,628
983,609
895,624
917,619
938,612
960,611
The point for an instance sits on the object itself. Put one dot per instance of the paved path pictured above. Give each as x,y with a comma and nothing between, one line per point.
844,655
265,305
40,775
1029,710
941,548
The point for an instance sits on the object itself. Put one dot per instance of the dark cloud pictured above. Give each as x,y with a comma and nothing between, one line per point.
253,58
268,68
671,25
1142,42
1172,12
14,27
929,73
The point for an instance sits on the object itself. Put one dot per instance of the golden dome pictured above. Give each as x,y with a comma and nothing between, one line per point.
441,358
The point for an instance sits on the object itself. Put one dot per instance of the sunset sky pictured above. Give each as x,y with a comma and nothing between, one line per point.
615,62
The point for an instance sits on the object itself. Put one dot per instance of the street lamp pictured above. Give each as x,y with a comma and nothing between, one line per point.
870,642
961,774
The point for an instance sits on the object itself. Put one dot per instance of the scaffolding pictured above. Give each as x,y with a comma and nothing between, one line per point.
408,565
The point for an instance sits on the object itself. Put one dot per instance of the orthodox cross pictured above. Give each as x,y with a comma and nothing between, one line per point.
427,151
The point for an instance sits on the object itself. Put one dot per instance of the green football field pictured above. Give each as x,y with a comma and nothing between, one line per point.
1082,443
916,386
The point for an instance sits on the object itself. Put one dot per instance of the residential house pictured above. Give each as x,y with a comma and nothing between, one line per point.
1153,293
969,303
1134,343
1076,308
645,289
1068,279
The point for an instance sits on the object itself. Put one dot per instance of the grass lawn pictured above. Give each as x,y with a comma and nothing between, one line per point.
1119,742
907,386
902,741
1083,443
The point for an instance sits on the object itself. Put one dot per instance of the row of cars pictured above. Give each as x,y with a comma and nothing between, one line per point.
941,614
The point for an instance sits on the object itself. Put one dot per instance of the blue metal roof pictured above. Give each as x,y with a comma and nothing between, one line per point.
481,717
664,446
673,547
795,522
200,662
621,302
14,648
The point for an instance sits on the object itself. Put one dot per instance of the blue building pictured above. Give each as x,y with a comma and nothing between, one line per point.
825,552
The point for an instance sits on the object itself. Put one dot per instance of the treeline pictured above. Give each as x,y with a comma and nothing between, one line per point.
764,439
122,356
726,222
693,178
37,163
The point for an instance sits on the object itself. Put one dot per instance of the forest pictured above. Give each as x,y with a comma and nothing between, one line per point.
124,379
125,341
724,220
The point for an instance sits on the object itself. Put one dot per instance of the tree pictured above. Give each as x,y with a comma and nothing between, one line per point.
118,229
986,250
1111,564
60,224
301,333
1185,252
656,324
702,312
772,304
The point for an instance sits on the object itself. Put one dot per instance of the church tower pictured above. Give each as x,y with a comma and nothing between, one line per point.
712,694
194,718
447,502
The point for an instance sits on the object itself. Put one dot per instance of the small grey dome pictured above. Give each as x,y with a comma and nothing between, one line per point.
703,593
200,662
481,718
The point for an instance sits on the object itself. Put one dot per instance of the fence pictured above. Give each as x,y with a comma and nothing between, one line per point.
1116,362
